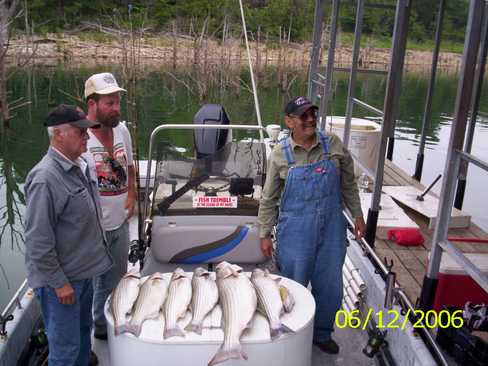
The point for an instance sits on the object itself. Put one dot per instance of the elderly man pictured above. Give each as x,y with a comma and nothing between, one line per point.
110,150
64,237
312,175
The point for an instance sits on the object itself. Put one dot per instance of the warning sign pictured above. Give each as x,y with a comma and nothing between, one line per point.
215,202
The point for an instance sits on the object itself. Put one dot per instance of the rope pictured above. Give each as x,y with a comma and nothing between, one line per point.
255,92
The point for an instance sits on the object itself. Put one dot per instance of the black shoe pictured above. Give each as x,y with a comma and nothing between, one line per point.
100,335
328,346
93,361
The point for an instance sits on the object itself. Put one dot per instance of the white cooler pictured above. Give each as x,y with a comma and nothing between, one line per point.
364,140
150,349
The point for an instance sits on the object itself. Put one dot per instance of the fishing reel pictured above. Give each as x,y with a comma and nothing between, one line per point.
137,252
375,342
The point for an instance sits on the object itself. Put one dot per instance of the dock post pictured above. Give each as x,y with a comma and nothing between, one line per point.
326,94
477,88
315,52
356,48
451,170
428,99
390,109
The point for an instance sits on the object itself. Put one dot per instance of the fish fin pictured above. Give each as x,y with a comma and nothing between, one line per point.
277,280
223,355
249,324
119,329
282,329
195,328
287,299
134,329
173,332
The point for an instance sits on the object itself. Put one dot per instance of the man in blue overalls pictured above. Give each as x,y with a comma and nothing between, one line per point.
311,174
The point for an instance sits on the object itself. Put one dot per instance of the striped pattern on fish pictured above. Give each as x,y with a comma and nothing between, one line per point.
238,301
122,300
177,301
204,298
269,301
149,302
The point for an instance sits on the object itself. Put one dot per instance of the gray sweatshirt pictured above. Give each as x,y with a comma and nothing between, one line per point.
64,238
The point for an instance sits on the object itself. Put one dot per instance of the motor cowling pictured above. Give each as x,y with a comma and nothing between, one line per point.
209,141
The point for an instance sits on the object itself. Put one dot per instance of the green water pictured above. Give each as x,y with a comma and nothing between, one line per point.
169,96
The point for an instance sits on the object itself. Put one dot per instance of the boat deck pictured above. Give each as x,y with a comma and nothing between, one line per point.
410,263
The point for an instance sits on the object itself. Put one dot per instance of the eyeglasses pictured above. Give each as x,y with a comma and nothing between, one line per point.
306,115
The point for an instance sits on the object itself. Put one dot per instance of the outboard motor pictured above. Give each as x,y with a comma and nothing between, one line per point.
208,142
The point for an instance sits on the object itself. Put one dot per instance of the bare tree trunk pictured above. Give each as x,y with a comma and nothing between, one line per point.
7,12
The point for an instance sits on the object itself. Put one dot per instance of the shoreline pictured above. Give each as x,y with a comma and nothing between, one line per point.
180,50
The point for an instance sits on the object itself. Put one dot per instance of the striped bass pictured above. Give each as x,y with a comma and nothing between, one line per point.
238,301
269,301
204,298
177,301
149,302
123,298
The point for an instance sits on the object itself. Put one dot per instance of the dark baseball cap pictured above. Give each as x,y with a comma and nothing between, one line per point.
299,105
65,113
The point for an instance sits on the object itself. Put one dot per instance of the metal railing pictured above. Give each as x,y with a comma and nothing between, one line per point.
455,156
398,294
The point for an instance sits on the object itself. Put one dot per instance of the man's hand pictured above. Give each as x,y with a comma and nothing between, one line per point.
359,227
65,294
267,247
129,205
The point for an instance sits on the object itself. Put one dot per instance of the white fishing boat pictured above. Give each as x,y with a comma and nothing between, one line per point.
200,208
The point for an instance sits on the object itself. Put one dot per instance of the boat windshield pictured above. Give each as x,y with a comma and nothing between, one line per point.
226,182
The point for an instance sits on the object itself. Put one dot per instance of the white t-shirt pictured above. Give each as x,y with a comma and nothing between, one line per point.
112,173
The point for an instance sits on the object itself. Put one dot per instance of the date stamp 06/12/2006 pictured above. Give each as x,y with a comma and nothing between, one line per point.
393,319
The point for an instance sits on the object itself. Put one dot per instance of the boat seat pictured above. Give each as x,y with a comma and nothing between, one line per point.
206,239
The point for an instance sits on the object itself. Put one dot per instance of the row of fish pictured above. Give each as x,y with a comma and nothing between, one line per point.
239,298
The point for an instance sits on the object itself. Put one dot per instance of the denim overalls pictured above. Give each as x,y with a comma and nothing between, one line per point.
311,233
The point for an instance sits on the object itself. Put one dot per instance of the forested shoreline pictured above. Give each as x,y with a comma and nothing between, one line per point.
272,20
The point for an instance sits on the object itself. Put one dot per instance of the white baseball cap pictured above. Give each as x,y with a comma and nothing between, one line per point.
103,83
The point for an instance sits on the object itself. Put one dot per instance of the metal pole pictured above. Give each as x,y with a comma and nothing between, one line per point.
402,40
354,67
315,52
428,100
326,95
451,170
480,74
390,109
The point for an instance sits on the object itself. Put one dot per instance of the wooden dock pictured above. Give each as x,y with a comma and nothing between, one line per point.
410,263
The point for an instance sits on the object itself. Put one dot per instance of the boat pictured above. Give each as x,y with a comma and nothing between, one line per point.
200,206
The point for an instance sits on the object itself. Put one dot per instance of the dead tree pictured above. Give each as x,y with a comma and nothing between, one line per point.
8,10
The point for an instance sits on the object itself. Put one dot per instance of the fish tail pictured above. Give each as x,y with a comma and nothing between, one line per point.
194,327
276,332
222,355
173,332
119,329
134,329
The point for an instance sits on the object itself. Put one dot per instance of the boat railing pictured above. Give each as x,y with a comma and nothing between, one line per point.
397,293
163,127
15,303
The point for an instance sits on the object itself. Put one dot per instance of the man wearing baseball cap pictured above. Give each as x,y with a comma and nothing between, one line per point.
311,230
64,238
110,150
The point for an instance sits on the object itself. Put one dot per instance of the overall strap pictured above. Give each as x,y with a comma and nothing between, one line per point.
324,141
286,147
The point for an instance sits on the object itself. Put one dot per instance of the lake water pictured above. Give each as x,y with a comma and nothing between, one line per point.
166,95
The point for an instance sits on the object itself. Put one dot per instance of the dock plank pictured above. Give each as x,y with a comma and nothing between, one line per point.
410,263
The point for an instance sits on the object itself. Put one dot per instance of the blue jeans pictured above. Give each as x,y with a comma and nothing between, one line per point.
68,326
118,246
